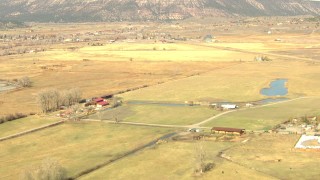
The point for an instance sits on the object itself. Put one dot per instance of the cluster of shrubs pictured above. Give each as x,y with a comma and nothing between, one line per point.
262,58
11,117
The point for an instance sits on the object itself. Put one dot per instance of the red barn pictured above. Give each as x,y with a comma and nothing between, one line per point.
98,100
102,103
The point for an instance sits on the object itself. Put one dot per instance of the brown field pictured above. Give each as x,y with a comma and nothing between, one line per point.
93,78
240,83
175,160
275,155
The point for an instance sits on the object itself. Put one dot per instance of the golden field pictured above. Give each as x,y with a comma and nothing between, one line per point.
171,71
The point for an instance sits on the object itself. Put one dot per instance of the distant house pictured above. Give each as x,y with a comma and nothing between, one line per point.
226,130
229,106
98,100
102,103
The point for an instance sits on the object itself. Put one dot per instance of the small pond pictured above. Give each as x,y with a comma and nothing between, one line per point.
277,88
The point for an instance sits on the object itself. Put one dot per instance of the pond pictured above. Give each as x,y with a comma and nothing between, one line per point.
277,88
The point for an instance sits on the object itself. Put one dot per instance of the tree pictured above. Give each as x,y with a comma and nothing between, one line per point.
73,112
200,156
44,100
116,101
75,95
24,82
202,163
52,99
50,169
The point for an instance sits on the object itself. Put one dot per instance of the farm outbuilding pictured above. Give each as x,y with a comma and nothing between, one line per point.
229,106
226,130
102,103
98,100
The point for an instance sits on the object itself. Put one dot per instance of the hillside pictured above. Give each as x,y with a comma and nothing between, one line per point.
135,10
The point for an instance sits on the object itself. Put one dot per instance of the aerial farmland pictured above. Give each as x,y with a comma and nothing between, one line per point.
126,100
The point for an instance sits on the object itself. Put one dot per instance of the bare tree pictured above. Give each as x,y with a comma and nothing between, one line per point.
52,99
73,112
56,99
50,169
202,162
65,98
200,157
24,82
75,95
70,97
44,100
116,101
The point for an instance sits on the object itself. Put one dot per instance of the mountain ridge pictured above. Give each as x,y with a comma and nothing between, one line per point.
137,10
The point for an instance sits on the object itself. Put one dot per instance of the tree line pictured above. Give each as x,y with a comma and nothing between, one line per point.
52,99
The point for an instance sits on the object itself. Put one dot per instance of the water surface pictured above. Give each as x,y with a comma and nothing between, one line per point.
277,88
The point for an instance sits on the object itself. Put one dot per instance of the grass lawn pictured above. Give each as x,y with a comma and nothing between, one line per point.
24,124
274,155
157,114
268,116
77,146
173,160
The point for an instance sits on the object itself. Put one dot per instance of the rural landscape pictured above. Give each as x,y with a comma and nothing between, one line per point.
201,89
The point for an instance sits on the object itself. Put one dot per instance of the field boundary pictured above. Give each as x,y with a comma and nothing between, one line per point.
31,131
220,155
142,124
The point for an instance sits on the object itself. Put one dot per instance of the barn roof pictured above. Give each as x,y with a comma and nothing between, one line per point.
98,99
226,129
103,103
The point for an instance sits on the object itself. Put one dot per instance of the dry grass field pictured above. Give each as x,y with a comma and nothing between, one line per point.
157,114
169,71
77,146
275,155
144,52
93,78
24,124
175,160
265,118
239,83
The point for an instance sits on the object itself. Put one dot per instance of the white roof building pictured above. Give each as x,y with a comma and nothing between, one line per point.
229,106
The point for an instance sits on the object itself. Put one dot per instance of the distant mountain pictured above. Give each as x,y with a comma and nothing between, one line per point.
135,10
